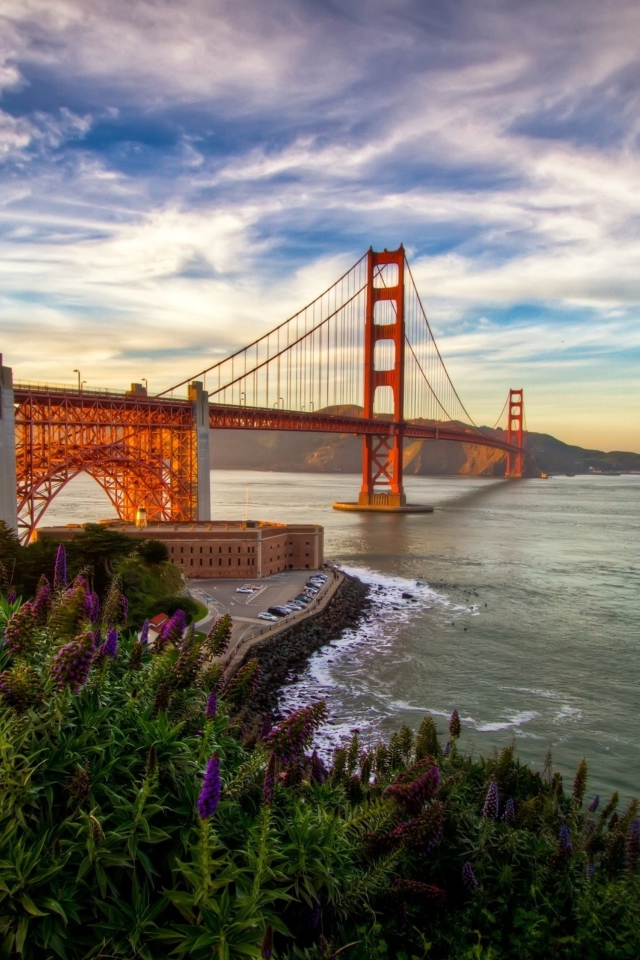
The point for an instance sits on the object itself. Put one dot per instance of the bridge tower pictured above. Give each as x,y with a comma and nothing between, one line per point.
8,502
515,433
382,456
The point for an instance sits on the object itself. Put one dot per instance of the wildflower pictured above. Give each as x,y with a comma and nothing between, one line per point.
491,806
20,687
421,834
565,847
210,793
124,609
172,630
580,783
427,739
469,877
289,739
135,657
212,706
60,569
110,646
595,803
413,795
80,783
71,664
19,631
244,683
447,749
632,858
509,815
415,890
219,636
269,786
144,634
12,596
42,602
454,725
365,768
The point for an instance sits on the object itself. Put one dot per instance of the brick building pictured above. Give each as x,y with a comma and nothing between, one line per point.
232,549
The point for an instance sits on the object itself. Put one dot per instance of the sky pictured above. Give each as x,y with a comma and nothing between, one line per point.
178,177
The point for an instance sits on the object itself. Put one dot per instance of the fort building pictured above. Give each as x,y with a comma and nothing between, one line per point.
224,548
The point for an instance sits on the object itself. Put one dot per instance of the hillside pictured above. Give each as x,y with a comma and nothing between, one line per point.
342,453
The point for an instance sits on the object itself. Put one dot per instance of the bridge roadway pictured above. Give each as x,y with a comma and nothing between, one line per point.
232,417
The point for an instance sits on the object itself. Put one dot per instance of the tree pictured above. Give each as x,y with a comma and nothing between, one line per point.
153,551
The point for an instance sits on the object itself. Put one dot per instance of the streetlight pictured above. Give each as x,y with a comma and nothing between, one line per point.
79,381
146,384
243,398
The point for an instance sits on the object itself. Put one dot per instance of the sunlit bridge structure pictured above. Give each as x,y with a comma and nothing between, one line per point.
360,359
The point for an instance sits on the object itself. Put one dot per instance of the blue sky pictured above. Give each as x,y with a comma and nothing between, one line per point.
179,176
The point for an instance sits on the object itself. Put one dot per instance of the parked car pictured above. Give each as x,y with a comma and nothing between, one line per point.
267,616
277,611
302,598
294,605
244,589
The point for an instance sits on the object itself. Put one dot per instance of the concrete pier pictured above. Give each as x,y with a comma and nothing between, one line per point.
8,481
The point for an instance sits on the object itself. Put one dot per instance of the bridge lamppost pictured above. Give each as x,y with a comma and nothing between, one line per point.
243,399
146,384
79,381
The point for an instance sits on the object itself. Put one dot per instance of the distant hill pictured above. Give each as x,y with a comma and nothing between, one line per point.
342,453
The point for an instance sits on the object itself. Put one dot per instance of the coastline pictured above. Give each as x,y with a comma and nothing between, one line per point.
288,650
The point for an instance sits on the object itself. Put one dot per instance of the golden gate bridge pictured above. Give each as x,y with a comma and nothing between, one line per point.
360,359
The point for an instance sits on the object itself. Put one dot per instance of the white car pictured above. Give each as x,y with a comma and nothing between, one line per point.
267,616
244,589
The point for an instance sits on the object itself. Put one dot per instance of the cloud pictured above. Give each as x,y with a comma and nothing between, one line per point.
183,176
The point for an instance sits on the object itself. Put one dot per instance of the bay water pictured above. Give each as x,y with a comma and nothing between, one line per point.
524,611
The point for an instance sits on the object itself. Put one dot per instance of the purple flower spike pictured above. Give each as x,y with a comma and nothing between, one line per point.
210,794
564,840
595,803
510,812
60,571
110,647
71,665
12,596
469,877
124,609
144,633
94,607
212,706
632,859
454,725
318,769
447,749
492,803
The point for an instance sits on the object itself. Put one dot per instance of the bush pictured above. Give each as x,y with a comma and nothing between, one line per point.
153,551
137,822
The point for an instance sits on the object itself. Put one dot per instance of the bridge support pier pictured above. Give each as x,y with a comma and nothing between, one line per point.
200,402
8,477
382,488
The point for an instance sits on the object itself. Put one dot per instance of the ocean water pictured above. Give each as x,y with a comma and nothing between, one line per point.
525,613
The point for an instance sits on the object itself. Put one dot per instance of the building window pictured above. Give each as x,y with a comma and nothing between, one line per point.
229,561
219,549
210,561
191,561
191,549
181,549
220,563
229,549
210,549
238,561
306,566
200,549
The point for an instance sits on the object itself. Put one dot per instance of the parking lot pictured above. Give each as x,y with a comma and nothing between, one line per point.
220,597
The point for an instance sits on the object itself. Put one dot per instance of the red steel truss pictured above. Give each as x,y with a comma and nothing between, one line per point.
139,450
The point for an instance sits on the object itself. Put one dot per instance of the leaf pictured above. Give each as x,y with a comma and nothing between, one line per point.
30,906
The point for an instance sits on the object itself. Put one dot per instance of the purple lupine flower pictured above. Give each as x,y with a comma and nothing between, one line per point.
509,816
42,602
447,749
210,793
564,840
60,569
212,706
595,803
12,596
19,631
124,609
469,877
632,858
292,735
144,633
413,795
71,664
491,806
110,647
172,630
454,725
97,637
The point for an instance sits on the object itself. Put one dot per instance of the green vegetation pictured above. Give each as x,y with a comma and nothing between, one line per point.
138,820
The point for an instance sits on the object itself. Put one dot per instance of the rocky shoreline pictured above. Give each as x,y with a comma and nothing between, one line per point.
285,653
